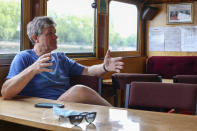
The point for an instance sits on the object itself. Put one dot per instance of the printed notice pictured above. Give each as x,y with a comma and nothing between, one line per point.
189,39
172,39
181,39
156,39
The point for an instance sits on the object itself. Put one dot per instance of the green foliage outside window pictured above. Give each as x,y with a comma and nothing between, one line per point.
10,15
116,41
9,20
71,30
77,30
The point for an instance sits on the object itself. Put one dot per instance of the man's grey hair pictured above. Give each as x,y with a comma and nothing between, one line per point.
35,26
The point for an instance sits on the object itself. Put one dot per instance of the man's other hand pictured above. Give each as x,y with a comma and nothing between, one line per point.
41,64
113,64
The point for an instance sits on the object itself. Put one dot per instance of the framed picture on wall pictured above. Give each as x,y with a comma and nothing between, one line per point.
179,13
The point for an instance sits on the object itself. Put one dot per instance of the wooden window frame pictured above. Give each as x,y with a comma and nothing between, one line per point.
30,9
80,55
138,52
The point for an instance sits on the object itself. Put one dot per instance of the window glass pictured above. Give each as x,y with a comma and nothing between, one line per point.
75,24
122,26
10,26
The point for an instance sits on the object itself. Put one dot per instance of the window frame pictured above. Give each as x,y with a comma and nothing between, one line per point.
85,54
29,11
127,53
7,58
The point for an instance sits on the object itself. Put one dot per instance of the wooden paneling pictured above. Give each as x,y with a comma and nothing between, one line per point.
30,10
166,1
168,53
131,65
26,18
101,35
154,1
160,20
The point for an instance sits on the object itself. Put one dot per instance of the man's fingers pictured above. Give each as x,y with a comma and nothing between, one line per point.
46,70
119,63
117,59
117,70
45,59
108,54
46,55
45,64
119,67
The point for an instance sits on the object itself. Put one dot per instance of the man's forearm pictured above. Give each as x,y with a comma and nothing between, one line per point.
13,86
95,70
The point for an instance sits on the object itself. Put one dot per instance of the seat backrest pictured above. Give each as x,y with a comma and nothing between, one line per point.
90,81
190,79
161,95
119,80
169,66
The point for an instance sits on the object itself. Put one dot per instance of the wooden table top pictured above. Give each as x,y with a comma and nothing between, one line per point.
22,111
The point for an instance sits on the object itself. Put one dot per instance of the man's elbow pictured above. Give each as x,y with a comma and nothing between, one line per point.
5,93
6,96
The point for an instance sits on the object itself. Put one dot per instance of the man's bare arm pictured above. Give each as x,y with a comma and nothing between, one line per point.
15,85
95,70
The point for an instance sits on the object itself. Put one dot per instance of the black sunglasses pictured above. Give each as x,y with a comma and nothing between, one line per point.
77,119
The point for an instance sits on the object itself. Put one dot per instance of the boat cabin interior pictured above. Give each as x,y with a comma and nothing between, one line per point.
153,37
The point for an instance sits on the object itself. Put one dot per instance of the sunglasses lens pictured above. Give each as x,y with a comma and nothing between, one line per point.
75,119
90,117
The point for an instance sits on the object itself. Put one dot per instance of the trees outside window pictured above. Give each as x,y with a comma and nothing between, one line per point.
75,24
10,26
122,26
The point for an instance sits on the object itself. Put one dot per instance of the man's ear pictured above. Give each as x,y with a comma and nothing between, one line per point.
35,38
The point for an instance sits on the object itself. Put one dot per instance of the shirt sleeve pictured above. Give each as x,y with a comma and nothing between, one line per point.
17,66
75,68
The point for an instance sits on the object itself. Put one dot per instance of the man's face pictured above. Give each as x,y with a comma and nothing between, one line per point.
48,38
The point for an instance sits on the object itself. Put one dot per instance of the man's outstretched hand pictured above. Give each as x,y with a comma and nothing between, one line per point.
113,64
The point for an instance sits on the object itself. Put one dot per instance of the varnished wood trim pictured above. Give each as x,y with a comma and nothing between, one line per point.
42,7
140,39
166,1
26,18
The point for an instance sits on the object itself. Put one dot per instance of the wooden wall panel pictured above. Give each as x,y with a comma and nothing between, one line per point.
166,1
101,35
160,20
132,65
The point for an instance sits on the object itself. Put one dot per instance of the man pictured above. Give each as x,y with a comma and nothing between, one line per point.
40,73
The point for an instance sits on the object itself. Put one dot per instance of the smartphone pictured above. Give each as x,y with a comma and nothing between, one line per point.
48,105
